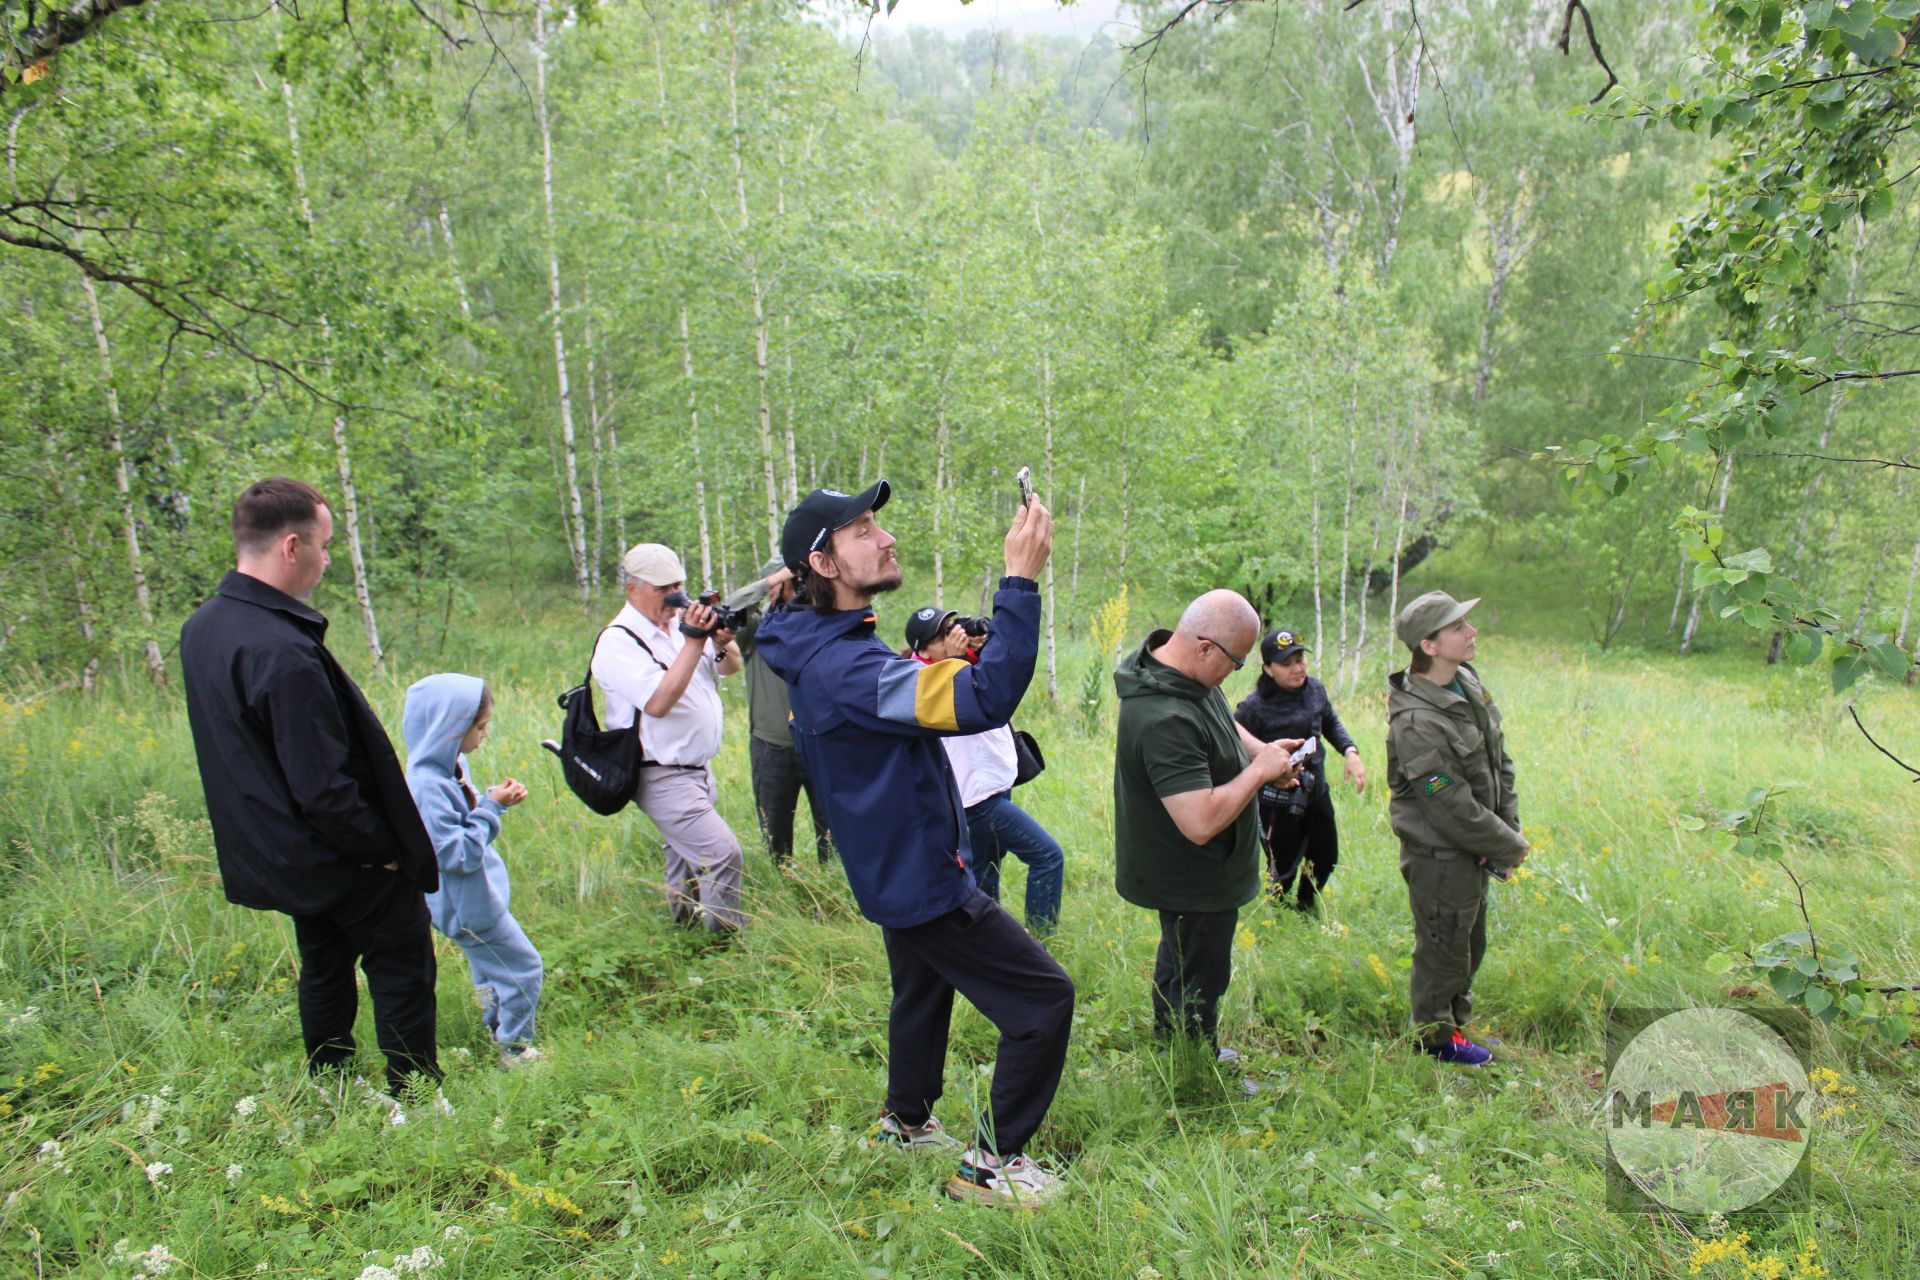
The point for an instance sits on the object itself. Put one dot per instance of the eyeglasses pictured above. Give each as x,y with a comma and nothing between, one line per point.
1223,652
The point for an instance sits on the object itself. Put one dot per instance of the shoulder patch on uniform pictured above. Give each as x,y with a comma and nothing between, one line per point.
1436,783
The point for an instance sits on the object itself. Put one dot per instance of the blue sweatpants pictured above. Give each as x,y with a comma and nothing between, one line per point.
507,975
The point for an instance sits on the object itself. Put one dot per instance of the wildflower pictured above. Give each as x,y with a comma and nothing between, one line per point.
396,1117
245,1108
1146,1273
156,1261
1493,1259
50,1154
158,1170
461,1052
233,1172
1433,1182
27,1015
453,1232
1379,969
1515,1225
378,1272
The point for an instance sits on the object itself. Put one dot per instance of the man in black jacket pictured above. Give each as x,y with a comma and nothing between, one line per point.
311,813
1298,825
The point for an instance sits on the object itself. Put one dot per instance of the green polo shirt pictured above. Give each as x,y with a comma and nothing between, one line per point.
1176,735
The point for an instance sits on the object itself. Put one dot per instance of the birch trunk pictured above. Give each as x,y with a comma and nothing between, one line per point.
1346,545
1506,251
594,560
1720,510
1679,595
613,465
1400,532
453,257
122,482
1046,416
1319,619
940,443
793,465
1126,492
699,466
754,285
1398,107
1906,613
577,543
1073,584
342,451
76,565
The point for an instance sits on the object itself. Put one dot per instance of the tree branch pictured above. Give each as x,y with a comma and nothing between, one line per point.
68,26
1593,43
1882,463
1877,747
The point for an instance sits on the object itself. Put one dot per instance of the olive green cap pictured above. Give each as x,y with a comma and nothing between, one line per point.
1428,614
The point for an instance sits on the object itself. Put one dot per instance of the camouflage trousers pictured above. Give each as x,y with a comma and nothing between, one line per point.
1448,893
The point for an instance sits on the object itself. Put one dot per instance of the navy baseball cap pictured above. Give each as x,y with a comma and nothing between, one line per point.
1281,644
925,626
811,524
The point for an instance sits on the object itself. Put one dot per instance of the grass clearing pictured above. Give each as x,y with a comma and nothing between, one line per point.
703,1109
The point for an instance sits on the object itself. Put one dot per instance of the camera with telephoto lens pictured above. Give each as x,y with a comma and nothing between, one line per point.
725,619
976,627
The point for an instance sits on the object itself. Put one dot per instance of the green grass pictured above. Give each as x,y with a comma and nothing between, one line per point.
702,1111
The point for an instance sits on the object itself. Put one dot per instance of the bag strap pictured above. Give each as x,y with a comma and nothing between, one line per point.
587,678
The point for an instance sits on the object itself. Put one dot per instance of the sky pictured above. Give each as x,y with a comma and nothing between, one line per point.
1084,18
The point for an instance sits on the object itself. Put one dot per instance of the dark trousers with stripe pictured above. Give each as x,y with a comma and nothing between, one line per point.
982,952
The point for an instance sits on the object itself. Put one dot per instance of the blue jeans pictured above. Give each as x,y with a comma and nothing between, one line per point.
997,826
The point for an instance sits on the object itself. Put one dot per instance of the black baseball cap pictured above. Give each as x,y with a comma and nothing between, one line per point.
925,626
820,513
1281,644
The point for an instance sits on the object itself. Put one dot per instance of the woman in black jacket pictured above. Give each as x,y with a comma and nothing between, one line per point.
1288,703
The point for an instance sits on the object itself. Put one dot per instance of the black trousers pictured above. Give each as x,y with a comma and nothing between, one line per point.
1191,972
384,927
982,952
779,776
1310,835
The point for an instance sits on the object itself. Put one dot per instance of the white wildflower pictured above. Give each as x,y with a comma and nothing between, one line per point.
1146,1273
419,1262
461,1052
499,1124
121,1252
1717,1224
52,1155
1613,921
233,1172
1433,1182
158,1170
1493,1259
245,1108
27,1015
1515,1225
396,1117
156,1261
1311,1158
378,1272
453,1232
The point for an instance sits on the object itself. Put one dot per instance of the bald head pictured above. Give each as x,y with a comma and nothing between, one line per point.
1227,622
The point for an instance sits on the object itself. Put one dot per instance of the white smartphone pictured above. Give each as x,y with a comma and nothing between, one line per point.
1024,478
1304,750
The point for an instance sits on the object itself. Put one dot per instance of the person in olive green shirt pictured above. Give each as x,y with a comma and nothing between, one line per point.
1186,831
1455,810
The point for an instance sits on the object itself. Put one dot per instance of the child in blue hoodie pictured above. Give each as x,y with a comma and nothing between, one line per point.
445,717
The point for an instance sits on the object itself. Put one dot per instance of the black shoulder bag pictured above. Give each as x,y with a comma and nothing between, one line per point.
1028,763
602,766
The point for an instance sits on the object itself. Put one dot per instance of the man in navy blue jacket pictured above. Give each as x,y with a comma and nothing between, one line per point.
867,722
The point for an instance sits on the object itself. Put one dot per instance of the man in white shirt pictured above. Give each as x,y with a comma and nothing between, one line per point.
984,768
664,665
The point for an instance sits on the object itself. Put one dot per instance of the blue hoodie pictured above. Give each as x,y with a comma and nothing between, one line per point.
867,723
473,888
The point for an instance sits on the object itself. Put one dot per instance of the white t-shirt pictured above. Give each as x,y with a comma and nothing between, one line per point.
689,734
984,764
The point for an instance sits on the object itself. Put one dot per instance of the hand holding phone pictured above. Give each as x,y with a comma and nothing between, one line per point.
1306,749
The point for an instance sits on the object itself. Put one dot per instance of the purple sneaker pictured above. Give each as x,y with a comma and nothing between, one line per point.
1460,1052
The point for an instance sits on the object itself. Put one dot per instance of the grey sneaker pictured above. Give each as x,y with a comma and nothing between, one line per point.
1019,1183
890,1132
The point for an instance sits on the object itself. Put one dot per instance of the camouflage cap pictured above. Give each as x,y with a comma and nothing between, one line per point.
1428,614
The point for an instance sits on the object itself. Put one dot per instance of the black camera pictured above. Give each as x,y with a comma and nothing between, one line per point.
973,626
1292,800
725,619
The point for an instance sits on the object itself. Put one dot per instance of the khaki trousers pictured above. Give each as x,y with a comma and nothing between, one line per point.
702,854
1448,893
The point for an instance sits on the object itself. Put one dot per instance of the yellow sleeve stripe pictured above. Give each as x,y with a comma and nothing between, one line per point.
933,694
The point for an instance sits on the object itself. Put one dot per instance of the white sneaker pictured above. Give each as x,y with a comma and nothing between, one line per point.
890,1132
1017,1184
514,1056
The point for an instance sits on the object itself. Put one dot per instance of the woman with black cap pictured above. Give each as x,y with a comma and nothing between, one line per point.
1298,824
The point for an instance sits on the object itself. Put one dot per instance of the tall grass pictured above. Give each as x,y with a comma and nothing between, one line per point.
702,1111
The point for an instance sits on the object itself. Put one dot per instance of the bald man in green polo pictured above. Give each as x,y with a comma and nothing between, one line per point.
1456,813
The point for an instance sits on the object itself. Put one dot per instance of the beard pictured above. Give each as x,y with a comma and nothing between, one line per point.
885,579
